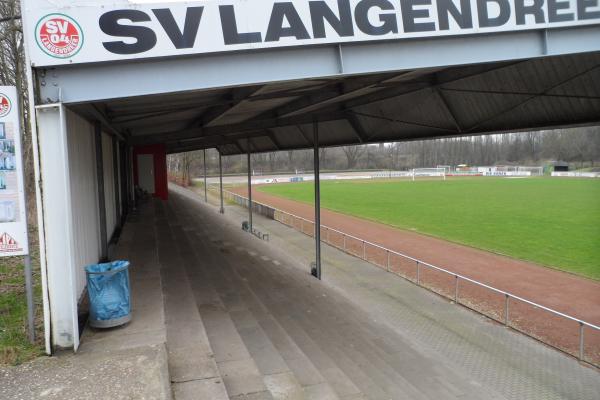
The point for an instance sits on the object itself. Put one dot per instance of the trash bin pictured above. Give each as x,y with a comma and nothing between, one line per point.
108,291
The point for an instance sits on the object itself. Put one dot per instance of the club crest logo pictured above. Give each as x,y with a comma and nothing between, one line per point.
5,105
8,244
59,36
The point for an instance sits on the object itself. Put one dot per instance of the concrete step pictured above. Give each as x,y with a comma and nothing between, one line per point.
193,370
350,345
300,351
256,356
237,367
373,364
356,358
349,364
286,372
284,366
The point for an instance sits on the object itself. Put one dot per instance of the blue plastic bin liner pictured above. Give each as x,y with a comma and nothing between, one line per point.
108,290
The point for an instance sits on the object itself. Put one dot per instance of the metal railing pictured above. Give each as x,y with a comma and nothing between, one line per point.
362,251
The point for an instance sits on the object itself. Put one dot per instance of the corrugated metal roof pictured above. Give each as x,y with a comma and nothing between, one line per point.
403,105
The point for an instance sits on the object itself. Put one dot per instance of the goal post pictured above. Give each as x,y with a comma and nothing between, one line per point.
447,168
428,172
534,171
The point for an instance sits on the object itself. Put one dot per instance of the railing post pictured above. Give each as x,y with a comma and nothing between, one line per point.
344,241
388,260
328,234
456,289
364,250
506,299
418,273
581,348
302,225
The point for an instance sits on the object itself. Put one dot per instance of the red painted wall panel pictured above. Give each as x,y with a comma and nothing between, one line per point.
160,168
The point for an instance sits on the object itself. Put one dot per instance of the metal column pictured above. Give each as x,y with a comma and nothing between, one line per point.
205,188
221,210
130,178
115,149
101,199
249,163
30,302
317,271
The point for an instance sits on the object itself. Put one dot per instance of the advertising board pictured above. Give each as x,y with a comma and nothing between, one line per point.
70,32
13,221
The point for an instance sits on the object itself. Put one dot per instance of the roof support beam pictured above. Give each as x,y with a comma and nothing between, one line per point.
213,141
308,141
448,109
148,116
398,89
125,111
530,98
224,130
214,113
273,138
414,87
340,90
484,91
441,128
293,92
359,130
237,145
101,117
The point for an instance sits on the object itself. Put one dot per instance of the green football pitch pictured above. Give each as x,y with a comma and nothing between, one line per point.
551,221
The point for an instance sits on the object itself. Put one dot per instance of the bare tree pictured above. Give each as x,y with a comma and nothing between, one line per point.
13,73
353,153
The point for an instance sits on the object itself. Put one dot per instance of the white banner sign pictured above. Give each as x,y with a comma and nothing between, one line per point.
13,221
72,31
577,174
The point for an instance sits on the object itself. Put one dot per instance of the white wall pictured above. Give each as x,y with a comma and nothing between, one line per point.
71,217
84,195
56,199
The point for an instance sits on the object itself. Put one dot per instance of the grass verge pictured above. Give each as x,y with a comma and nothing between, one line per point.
14,344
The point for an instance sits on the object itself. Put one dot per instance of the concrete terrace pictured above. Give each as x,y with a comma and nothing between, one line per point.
243,319
276,332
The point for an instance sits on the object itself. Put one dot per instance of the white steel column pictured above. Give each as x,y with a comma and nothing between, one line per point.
57,225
